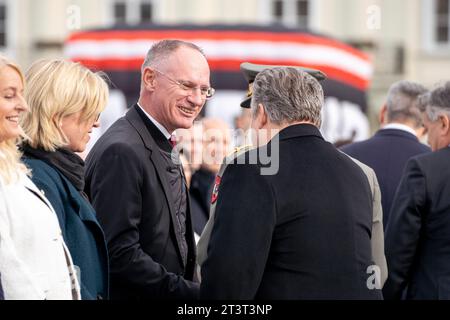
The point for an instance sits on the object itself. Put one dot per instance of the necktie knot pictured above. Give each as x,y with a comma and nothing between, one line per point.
173,140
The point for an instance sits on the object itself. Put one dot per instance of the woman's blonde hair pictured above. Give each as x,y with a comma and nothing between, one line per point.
10,164
56,89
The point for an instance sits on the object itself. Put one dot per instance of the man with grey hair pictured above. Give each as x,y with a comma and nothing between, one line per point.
302,232
418,233
138,191
398,140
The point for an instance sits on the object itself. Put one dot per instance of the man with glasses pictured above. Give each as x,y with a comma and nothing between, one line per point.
137,186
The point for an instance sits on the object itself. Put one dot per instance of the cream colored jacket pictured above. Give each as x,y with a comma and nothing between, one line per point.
34,260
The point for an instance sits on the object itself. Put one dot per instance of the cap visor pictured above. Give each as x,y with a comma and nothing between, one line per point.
246,103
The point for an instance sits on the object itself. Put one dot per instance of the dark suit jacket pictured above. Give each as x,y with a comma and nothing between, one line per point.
200,191
81,231
418,233
387,153
303,233
127,183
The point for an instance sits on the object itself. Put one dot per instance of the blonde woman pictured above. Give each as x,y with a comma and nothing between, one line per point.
34,261
65,100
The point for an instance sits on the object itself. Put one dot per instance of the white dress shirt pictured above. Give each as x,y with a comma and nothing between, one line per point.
157,124
400,126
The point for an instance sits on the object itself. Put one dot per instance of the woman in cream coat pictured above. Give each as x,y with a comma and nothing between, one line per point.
34,260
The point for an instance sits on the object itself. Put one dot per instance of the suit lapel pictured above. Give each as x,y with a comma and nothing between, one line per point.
158,162
33,189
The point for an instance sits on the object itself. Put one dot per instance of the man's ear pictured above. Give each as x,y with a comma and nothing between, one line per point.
262,115
444,124
149,79
382,116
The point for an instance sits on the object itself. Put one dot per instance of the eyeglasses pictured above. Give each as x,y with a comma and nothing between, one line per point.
206,92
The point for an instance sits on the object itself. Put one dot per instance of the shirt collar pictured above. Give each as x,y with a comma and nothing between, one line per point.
157,124
399,126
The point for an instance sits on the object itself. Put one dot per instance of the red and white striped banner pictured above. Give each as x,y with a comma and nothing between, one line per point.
125,50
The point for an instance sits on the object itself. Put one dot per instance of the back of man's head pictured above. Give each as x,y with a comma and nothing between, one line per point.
288,95
402,105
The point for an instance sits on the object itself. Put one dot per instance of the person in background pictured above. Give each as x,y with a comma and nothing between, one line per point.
137,184
64,109
216,146
242,124
418,232
398,140
34,260
186,168
190,143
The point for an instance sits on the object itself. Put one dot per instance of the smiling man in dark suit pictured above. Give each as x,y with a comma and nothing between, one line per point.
297,226
391,147
418,232
136,182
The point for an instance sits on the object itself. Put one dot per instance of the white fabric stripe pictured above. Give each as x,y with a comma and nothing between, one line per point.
230,49
400,126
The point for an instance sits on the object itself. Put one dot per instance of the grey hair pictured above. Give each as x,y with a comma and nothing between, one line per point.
436,102
161,49
288,95
403,103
